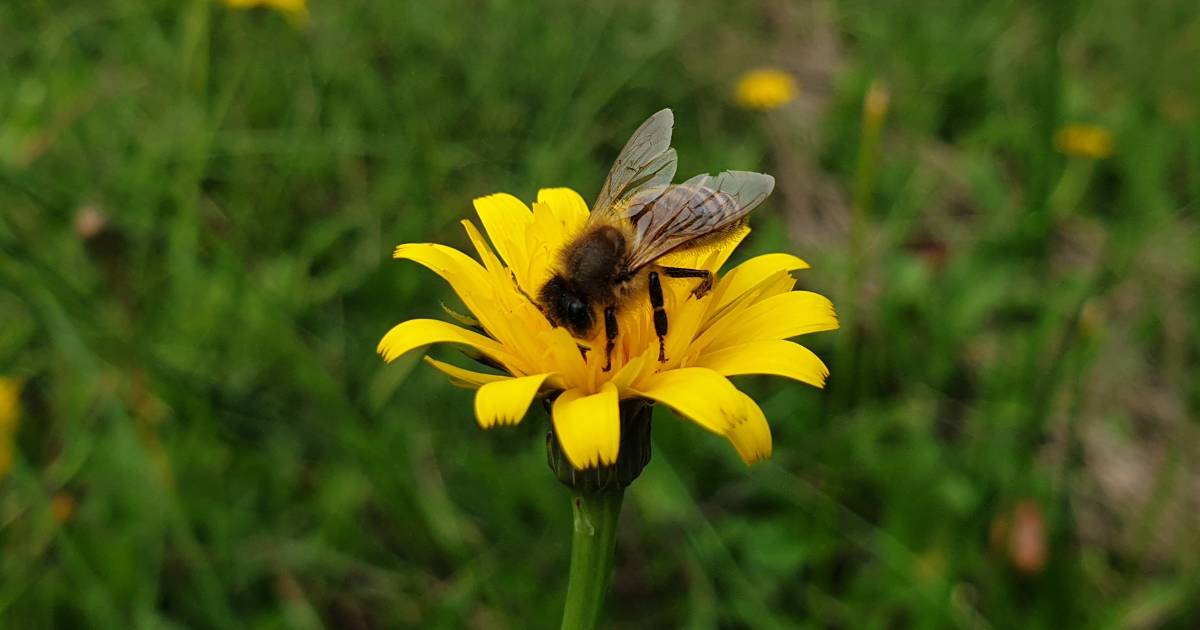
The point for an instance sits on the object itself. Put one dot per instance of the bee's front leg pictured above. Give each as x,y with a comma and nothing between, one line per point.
610,335
706,278
660,315
536,304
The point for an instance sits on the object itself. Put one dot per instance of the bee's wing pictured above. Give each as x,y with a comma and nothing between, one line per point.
647,161
674,217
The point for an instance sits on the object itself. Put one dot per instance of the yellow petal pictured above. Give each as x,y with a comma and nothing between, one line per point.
505,401
767,356
567,208
626,375
731,310
415,333
686,320
468,279
481,247
462,319
588,426
518,317
559,349
748,274
700,394
558,214
485,292
506,220
463,377
777,317
752,437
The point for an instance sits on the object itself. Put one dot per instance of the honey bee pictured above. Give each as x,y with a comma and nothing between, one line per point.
638,217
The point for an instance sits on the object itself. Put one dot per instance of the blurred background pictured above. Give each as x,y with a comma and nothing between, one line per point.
198,201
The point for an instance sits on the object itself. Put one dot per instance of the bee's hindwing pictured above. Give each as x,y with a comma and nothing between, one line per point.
674,217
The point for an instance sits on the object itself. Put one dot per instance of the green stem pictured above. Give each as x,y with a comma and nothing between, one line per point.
592,545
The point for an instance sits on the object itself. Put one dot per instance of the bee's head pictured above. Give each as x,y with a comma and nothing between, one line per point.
566,307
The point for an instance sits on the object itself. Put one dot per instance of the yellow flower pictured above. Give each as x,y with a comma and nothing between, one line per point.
875,104
294,10
10,411
741,327
62,506
1085,141
765,89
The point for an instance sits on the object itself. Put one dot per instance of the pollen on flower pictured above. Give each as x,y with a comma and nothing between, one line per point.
1084,141
765,89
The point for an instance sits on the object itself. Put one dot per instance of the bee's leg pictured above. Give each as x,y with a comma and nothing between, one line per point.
610,335
706,278
535,303
660,315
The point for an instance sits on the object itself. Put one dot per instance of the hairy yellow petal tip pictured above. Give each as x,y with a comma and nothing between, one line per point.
768,356
752,436
505,401
588,426
699,394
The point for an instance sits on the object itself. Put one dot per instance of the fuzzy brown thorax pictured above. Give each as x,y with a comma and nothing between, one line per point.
591,268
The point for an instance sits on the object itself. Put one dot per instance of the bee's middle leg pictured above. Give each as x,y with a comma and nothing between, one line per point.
660,315
610,335
706,278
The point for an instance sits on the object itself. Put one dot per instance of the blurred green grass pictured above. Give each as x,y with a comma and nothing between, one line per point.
200,378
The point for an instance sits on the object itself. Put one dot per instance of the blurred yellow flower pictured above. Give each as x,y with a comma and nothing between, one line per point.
294,10
1084,141
741,327
62,506
876,104
10,410
765,89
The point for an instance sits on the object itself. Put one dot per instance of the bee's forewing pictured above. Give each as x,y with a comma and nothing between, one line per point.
670,218
646,162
